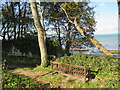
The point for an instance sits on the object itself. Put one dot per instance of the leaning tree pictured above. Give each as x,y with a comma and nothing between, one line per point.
77,15
72,12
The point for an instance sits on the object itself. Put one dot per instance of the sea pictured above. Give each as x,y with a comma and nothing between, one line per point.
109,41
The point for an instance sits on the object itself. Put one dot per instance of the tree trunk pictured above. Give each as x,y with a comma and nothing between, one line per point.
4,33
42,22
68,40
8,30
100,47
13,15
24,13
59,38
60,53
40,30
57,29
19,24
90,37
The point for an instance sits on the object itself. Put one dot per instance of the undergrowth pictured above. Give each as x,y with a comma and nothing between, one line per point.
107,77
11,80
107,67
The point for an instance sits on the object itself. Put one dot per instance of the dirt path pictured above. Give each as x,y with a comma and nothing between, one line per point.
29,74
35,75
32,75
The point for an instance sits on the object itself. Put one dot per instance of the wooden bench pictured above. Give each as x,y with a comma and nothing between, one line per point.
69,69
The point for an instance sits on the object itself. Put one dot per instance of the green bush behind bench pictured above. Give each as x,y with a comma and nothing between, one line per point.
108,66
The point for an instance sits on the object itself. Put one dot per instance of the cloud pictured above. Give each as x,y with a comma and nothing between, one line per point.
107,20
107,27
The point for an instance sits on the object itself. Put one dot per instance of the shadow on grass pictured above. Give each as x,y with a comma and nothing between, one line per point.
13,62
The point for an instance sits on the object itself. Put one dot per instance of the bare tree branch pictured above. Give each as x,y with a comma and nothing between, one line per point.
67,15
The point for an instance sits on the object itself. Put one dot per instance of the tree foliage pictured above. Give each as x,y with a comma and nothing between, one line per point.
29,43
67,33
16,19
17,22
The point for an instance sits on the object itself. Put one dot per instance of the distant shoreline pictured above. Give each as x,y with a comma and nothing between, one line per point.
111,50
106,34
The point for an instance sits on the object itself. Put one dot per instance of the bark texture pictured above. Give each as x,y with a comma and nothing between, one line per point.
68,39
42,45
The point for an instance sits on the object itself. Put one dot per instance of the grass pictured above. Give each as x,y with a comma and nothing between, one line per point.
26,69
12,62
39,68
103,80
36,69
51,79
11,80
58,78
107,66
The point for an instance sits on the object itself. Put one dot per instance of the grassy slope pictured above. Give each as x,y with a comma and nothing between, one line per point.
106,78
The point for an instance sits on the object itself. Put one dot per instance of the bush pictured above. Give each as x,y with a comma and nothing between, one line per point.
30,44
107,66
11,80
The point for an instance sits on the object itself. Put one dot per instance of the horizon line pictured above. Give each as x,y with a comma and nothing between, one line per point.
106,33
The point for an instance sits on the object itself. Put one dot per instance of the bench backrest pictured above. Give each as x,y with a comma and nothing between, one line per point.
70,69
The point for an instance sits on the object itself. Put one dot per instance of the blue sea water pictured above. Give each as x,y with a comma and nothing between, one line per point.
109,41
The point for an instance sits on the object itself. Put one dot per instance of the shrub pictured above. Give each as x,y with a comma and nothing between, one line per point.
11,80
107,66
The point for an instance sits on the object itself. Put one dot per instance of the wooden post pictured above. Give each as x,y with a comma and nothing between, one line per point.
52,66
56,66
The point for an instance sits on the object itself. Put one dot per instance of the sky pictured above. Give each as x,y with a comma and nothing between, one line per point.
106,17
